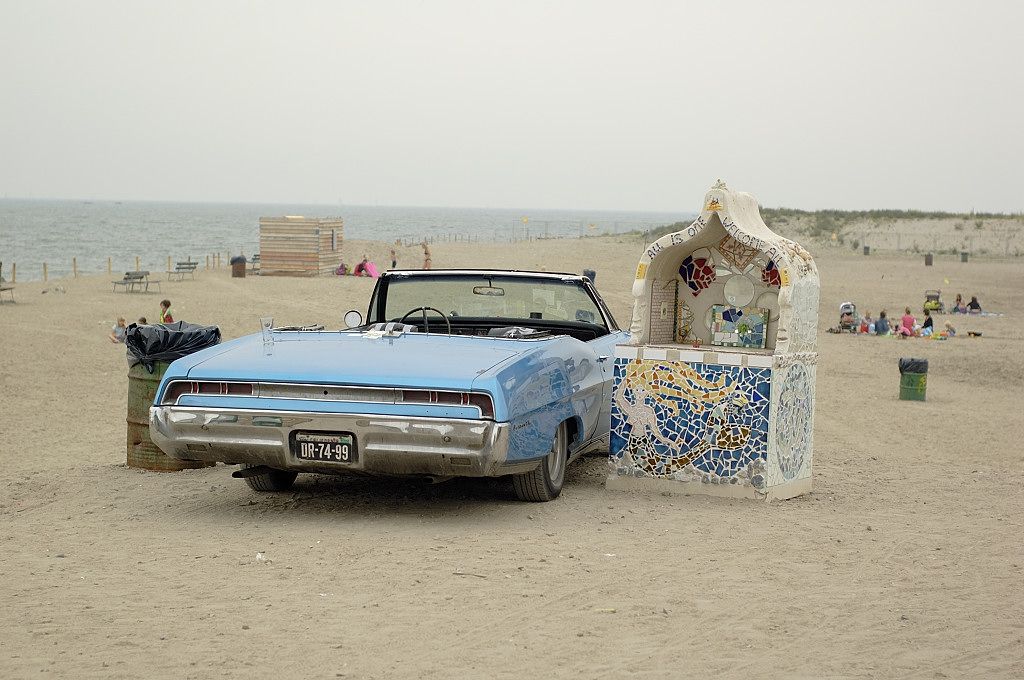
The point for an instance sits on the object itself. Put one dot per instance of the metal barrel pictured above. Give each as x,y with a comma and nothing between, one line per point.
913,386
142,452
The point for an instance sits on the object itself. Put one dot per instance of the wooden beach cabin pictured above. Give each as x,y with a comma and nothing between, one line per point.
714,393
300,246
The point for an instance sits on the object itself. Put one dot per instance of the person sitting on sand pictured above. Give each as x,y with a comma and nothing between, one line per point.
950,331
867,323
882,324
165,312
928,327
118,331
959,307
974,307
360,269
907,323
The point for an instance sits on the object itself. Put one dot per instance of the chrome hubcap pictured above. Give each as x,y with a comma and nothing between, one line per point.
556,459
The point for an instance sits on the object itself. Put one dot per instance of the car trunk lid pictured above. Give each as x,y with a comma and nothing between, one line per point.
351,358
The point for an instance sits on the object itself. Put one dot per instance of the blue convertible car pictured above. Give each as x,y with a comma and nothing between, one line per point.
455,373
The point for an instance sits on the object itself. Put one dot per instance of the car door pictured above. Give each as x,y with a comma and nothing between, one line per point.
604,347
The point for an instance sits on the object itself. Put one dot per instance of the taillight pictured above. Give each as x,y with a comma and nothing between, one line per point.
179,388
478,399
482,402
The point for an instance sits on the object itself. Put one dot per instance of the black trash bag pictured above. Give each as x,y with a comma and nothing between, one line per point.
909,365
167,341
238,259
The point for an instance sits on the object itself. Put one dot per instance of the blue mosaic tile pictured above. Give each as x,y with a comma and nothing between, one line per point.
709,419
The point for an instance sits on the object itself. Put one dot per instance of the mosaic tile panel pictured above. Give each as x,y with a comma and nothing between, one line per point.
690,421
801,315
791,418
697,273
735,253
738,327
770,274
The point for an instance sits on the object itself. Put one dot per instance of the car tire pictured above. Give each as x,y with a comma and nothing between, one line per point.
275,480
544,483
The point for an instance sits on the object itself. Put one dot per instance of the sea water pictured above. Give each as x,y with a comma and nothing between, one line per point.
54,231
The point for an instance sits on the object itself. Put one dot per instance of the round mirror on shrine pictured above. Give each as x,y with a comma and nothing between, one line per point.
770,301
739,291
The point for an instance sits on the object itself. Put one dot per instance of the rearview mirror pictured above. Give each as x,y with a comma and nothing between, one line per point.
488,290
353,319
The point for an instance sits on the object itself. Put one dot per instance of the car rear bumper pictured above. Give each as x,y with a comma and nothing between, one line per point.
390,445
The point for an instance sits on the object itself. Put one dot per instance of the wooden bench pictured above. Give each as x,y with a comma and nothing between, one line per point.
181,270
3,287
254,263
136,282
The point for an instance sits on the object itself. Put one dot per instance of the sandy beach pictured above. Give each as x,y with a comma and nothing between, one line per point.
907,560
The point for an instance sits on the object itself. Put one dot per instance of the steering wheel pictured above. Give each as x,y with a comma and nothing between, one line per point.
426,324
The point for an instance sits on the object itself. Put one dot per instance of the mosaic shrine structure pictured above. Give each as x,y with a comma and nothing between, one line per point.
714,393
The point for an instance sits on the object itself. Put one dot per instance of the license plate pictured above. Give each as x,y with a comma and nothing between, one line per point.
325,447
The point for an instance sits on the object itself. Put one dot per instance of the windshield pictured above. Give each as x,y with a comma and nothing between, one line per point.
492,297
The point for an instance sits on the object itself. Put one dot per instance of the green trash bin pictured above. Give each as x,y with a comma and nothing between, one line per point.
142,452
155,346
913,379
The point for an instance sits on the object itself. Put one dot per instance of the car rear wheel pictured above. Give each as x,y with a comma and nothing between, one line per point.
545,482
274,480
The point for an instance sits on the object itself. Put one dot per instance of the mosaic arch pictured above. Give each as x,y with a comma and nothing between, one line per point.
735,418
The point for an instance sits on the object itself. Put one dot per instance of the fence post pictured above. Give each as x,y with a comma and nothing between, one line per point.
45,276
74,267
136,263
207,261
14,272
168,263
109,266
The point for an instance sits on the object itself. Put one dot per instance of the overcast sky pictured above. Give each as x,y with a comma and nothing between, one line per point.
600,105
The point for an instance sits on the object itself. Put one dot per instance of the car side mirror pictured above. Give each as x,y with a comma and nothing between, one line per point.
353,319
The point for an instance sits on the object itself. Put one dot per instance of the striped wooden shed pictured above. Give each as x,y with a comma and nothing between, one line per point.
300,246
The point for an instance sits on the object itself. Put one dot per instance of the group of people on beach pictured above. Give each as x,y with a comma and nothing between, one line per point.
906,327
972,307
120,329
367,268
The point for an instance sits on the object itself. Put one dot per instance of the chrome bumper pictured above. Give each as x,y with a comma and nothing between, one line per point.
390,445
